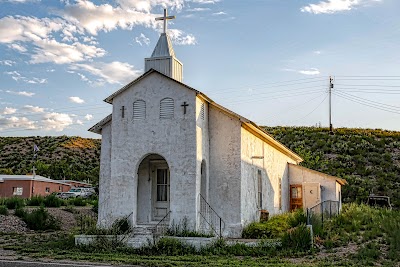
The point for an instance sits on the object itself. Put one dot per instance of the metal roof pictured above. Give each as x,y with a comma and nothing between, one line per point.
30,178
164,47
98,126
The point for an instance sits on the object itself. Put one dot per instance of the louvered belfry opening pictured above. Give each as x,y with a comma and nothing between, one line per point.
139,110
167,108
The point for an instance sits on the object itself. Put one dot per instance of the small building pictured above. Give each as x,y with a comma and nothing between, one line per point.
26,186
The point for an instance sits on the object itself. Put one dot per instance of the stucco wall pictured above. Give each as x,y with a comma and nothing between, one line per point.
174,139
329,186
105,177
31,188
224,168
202,151
259,155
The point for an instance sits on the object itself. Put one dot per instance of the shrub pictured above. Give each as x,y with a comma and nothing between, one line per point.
297,239
52,201
95,207
273,228
79,202
35,201
14,202
20,212
40,219
3,210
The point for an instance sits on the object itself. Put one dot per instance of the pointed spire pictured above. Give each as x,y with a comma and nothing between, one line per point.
163,57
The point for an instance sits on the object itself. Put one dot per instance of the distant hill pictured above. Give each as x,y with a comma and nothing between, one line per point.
74,158
368,159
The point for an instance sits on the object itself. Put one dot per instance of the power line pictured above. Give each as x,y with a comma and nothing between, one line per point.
323,100
371,101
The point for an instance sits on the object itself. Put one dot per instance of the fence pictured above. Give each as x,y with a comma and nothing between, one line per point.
323,211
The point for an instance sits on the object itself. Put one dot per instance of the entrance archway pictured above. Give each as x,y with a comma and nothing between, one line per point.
153,201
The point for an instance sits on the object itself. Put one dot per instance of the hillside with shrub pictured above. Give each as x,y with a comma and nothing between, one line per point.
74,158
368,159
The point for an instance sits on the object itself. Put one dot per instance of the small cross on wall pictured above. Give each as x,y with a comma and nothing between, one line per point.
184,105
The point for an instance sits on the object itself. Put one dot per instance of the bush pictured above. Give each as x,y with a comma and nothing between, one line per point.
40,219
52,201
20,212
275,227
14,202
3,210
297,239
79,202
35,201
95,207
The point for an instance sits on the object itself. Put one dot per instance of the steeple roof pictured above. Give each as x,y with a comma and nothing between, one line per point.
164,47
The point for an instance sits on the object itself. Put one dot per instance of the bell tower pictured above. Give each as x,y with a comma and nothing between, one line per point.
163,57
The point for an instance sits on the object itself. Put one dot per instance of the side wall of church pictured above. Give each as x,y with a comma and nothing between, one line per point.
224,177
259,158
172,138
203,152
105,176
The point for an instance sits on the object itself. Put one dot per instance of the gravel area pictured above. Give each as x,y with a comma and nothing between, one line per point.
12,224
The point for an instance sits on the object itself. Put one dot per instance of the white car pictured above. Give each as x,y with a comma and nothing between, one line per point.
82,192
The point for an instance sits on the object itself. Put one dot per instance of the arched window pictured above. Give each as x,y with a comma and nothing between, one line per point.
139,110
167,108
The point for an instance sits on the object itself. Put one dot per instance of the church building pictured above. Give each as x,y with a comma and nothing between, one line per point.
170,153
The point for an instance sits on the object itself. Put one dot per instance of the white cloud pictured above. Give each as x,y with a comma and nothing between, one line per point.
8,111
198,9
205,1
20,1
142,39
311,71
114,73
17,122
56,121
89,117
334,6
317,52
17,47
76,99
15,75
221,13
33,109
21,93
79,122
181,38
7,62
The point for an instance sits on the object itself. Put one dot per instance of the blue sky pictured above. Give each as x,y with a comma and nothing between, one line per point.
267,60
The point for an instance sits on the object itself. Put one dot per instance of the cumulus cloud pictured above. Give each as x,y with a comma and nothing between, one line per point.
7,62
312,71
142,39
89,117
76,99
8,111
79,122
114,73
18,47
334,6
33,109
20,1
205,1
56,121
17,122
181,38
221,13
198,9
21,93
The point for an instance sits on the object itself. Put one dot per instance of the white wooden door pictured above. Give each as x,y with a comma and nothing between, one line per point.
160,193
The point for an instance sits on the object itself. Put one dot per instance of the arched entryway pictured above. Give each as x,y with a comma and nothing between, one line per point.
153,201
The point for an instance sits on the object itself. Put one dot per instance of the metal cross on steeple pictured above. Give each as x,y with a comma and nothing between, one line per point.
165,18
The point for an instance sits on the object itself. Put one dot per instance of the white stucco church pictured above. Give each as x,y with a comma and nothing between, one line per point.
169,152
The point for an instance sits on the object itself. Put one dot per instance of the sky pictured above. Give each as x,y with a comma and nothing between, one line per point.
268,60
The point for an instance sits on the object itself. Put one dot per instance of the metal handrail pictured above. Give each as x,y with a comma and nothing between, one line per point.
162,224
221,226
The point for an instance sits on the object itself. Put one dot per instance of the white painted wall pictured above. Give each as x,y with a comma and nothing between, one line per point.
329,187
225,168
273,166
173,139
105,177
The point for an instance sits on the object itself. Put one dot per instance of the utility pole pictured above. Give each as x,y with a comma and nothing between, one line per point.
330,104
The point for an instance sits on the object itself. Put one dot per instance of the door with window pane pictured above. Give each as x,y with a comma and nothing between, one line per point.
161,193
296,197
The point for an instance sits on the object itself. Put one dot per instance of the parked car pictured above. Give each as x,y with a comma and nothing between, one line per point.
65,195
82,192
